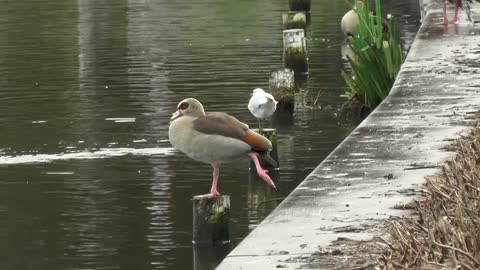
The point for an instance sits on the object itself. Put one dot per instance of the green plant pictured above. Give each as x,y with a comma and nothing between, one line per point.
377,59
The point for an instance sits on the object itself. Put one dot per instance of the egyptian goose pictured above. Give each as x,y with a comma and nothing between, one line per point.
262,105
215,138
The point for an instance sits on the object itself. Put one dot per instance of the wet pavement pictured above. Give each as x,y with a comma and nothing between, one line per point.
384,161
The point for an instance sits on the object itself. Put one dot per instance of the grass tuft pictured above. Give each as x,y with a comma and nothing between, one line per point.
377,59
445,234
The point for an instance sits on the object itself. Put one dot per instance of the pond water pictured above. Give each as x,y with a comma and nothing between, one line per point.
88,179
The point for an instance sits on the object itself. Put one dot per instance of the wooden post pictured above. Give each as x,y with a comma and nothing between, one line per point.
271,134
299,5
282,87
300,100
294,20
295,53
346,52
211,217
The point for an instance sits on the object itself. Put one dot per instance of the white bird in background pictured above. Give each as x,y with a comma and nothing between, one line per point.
349,23
262,105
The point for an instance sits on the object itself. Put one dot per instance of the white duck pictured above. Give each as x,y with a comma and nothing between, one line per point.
215,138
262,105
350,21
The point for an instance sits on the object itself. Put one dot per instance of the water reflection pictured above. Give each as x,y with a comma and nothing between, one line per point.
209,258
161,229
260,197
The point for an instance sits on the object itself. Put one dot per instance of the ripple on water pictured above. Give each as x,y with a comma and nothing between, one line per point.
97,154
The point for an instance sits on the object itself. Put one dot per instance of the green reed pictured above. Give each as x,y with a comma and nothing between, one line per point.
377,57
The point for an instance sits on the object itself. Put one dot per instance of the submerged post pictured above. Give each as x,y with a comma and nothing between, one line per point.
295,53
208,258
299,5
271,134
282,87
294,20
211,217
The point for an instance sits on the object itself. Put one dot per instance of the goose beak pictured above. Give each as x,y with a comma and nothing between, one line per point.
176,115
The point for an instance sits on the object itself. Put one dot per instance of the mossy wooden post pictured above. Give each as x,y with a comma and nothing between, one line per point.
211,217
282,87
294,20
299,5
271,134
295,54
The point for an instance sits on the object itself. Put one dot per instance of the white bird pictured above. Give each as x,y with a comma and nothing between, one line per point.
350,21
262,105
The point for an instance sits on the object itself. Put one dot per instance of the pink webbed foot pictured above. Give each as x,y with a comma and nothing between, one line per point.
207,196
261,171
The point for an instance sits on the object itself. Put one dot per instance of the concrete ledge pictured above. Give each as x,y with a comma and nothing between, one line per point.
384,160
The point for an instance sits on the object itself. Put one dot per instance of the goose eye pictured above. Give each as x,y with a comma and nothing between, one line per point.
183,106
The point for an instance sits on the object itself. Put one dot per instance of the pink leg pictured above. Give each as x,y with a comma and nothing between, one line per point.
213,189
455,18
216,174
445,19
260,171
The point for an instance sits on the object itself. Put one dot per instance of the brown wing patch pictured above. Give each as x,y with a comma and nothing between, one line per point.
257,141
220,124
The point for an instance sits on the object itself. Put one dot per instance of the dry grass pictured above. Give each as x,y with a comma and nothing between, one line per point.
445,232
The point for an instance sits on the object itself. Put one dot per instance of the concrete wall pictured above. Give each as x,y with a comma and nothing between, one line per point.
383,162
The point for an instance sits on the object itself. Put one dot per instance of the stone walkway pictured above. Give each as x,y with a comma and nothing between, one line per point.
383,162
